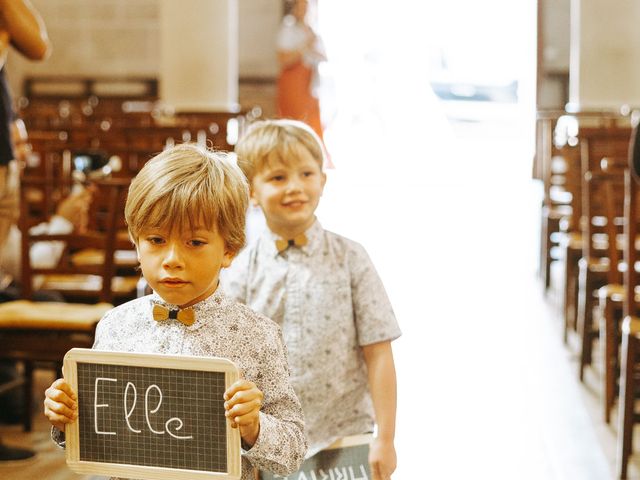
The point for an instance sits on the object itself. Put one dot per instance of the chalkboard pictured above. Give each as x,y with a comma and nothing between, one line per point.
346,459
151,416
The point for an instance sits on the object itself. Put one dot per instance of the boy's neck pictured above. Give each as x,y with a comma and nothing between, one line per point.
211,291
289,233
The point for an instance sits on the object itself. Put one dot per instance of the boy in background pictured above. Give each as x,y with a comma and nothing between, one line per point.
324,292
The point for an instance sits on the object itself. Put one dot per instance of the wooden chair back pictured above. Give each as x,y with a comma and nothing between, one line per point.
111,194
631,215
603,207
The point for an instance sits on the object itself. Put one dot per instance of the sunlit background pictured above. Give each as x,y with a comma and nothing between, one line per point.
430,111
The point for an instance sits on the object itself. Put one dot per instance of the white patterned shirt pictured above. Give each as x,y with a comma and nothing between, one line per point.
329,301
226,329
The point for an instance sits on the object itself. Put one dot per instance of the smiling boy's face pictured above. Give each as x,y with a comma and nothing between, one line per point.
289,193
182,266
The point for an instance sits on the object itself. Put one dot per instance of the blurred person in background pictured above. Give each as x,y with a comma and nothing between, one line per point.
22,28
300,51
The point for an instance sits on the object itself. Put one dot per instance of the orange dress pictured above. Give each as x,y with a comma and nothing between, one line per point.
294,96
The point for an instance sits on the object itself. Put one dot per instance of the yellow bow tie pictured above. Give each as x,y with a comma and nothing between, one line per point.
186,316
299,241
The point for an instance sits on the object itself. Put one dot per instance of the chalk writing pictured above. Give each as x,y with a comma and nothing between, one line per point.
131,390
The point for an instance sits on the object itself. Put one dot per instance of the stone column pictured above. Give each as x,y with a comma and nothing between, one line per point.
605,58
199,54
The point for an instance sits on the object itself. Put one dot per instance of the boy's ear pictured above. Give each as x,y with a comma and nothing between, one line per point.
227,258
135,244
253,198
323,181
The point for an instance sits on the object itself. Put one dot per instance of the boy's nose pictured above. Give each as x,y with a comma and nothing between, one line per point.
293,185
173,257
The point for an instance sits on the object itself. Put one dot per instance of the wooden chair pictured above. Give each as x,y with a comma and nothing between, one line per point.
35,332
40,333
595,263
556,203
595,145
84,281
570,236
612,295
630,349
560,136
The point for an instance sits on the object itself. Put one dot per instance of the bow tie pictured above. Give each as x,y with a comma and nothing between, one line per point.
298,241
162,313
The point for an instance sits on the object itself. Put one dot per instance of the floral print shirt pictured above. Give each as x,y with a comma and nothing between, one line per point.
226,329
329,301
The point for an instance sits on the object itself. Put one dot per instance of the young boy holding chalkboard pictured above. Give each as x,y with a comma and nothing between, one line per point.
186,214
322,289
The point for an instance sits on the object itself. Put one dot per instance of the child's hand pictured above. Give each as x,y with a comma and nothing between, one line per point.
242,405
60,404
382,458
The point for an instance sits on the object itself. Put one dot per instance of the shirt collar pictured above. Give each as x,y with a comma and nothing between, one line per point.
213,301
314,238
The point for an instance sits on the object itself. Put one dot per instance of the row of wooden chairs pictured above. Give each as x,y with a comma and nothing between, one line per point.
629,378
134,130
598,236
38,334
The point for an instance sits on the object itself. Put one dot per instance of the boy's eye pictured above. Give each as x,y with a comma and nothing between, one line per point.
307,173
277,178
155,240
197,243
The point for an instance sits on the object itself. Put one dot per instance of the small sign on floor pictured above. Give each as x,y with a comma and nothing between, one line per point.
346,459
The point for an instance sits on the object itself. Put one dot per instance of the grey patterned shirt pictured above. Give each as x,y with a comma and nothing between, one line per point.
329,301
226,329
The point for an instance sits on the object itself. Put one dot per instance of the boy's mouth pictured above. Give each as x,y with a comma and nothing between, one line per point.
294,203
173,282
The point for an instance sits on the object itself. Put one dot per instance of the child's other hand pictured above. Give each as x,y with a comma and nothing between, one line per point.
382,458
243,401
60,404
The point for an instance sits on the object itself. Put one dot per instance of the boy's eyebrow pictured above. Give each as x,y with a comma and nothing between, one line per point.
148,230
279,168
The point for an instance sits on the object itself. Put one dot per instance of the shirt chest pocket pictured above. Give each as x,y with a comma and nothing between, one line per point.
328,303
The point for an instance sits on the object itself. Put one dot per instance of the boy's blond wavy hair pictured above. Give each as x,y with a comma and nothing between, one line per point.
186,185
269,140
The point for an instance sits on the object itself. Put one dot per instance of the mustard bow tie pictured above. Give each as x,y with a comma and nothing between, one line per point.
298,241
186,316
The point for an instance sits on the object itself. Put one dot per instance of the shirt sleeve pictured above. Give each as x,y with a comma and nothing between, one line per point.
281,444
373,314
58,437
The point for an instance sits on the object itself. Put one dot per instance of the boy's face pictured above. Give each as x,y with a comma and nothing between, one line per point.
289,194
182,266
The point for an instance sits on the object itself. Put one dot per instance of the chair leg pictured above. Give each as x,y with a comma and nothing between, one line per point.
609,360
547,259
544,246
570,289
28,394
584,320
626,411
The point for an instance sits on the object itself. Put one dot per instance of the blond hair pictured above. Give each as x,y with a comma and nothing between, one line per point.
280,140
185,185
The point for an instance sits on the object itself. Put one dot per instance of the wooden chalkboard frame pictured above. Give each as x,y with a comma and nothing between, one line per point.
84,355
